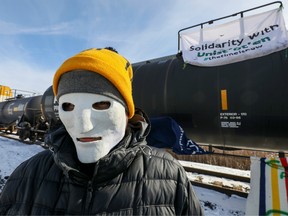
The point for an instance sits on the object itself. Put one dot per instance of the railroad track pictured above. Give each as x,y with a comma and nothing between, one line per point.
221,189
217,186
15,137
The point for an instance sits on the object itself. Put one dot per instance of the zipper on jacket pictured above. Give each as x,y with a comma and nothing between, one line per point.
88,195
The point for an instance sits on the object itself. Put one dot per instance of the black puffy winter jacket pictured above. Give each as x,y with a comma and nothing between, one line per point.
133,179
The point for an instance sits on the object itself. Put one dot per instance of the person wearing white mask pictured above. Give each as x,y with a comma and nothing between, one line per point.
100,163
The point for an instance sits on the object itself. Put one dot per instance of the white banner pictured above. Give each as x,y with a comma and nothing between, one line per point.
241,39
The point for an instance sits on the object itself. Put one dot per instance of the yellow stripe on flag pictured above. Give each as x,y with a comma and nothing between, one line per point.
275,189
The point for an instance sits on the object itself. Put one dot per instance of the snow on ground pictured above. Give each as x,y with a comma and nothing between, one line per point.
12,153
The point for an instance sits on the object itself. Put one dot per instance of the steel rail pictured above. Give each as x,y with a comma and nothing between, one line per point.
224,190
218,174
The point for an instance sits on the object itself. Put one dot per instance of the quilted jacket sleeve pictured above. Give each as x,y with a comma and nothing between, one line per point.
187,202
19,191
193,204
8,197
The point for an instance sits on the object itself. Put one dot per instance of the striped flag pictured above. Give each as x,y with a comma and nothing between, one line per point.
268,187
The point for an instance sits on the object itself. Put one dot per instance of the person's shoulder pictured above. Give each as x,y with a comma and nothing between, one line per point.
160,156
162,153
157,163
40,158
35,165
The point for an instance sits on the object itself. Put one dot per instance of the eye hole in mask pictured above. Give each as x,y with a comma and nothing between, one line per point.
68,107
102,105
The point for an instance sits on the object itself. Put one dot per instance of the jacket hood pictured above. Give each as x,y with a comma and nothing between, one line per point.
140,125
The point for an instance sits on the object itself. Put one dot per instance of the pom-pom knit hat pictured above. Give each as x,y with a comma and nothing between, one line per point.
80,73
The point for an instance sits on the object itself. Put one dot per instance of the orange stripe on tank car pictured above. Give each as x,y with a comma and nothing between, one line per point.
224,102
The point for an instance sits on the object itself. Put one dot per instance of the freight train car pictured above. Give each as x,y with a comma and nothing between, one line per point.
49,108
12,111
242,105
30,117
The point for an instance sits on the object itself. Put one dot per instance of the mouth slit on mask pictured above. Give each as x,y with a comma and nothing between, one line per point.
89,139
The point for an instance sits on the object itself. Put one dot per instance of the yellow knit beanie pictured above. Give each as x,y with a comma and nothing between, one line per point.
108,64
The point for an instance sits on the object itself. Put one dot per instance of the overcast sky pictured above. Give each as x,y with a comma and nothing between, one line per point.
36,36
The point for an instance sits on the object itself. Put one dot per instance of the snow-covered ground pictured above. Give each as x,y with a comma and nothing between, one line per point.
12,153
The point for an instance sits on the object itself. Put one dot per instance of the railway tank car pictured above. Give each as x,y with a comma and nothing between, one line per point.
15,109
31,117
242,105
49,108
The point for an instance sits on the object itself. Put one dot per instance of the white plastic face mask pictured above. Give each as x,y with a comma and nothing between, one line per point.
95,122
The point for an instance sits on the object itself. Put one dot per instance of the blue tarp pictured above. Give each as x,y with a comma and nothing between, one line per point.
167,133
